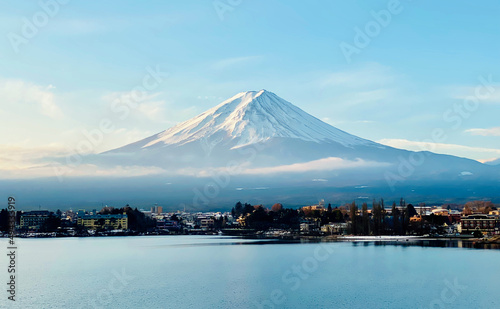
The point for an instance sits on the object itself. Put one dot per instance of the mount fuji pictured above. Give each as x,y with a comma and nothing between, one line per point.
254,130
266,134
252,117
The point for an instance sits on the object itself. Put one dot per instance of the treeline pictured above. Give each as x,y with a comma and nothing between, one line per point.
379,222
361,220
260,218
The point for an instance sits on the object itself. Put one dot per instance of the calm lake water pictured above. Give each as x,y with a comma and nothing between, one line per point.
223,272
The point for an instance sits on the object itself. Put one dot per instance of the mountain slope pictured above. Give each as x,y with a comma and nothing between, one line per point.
261,130
248,118
493,162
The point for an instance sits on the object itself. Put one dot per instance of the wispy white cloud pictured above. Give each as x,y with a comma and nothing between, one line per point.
326,164
485,93
370,96
369,75
21,161
127,136
153,110
229,63
20,93
93,25
84,170
21,155
140,104
476,153
484,132
115,171
369,84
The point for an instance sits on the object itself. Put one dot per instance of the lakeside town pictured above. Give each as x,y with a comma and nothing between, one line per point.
476,219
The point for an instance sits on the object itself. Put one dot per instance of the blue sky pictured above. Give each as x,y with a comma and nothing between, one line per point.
415,75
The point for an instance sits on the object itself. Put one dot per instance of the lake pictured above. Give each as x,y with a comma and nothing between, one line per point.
225,272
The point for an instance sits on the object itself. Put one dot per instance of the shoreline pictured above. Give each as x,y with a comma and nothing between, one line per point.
410,239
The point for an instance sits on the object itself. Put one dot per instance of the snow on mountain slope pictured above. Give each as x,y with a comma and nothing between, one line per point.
260,130
252,117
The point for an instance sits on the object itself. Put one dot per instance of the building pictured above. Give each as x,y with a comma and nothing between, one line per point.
310,225
335,228
164,224
33,220
206,223
483,223
94,222
424,210
308,209
156,209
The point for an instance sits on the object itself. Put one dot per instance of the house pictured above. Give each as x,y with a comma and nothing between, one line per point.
335,228
309,226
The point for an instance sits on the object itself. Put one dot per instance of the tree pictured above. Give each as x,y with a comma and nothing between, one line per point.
329,209
376,217
411,210
467,210
404,221
482,206
238,209
247,209
276,207
408,213
383,222
4,220
422,212
259,219
366,219
353,215
51,224
137,221
402,202
396,218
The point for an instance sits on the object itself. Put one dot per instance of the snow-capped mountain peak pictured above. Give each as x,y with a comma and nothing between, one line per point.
252,117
